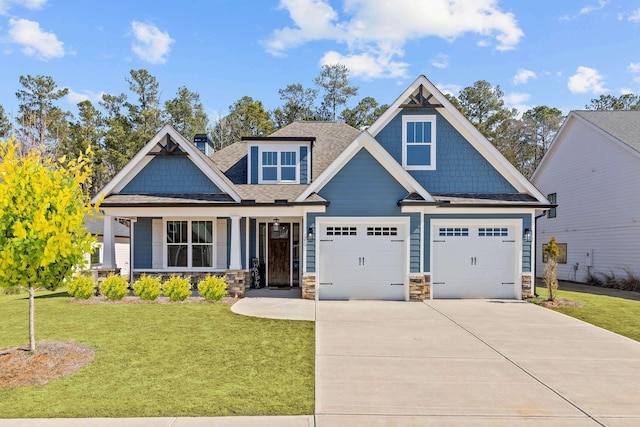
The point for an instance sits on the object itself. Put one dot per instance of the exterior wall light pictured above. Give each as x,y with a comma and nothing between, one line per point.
310,234
276,224
527,235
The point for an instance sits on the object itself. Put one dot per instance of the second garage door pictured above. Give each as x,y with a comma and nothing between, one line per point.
474,261
362,261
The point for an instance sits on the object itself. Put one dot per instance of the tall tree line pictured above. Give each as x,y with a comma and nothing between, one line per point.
116,127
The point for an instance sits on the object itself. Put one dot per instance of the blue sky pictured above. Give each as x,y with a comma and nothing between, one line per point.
556,53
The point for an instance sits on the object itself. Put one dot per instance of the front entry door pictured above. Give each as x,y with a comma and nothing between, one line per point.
279,255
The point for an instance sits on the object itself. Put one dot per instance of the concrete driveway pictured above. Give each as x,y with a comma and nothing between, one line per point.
470,363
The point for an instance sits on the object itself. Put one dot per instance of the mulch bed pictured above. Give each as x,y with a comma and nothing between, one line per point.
560,302
160,300
51,360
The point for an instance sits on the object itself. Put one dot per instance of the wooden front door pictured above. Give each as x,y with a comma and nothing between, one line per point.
279,255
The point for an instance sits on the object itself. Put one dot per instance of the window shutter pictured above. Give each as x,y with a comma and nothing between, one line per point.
156,243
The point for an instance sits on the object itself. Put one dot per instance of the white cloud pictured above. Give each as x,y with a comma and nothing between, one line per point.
523,76
76,97
35,41
449,88
592,8
366,65
634,67
518,101
441,60
151,44
5,5
634,16
379,29
586,80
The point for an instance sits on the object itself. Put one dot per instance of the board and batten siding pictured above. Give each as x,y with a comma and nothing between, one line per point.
596,181
364,188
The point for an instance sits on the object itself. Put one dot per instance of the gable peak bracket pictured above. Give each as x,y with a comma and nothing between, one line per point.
419,100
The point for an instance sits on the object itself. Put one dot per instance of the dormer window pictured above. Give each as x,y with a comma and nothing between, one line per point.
419,142
278,166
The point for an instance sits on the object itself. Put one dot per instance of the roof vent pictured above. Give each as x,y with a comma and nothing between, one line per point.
204,143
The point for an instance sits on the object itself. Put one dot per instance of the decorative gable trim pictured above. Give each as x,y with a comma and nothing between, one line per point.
449,112
572,120
152,149
368,142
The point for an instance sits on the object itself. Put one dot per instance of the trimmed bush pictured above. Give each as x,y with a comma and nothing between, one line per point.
81,287
212,288
114,287
147,287
177,288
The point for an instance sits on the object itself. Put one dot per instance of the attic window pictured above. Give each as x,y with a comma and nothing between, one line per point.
279,166
419,142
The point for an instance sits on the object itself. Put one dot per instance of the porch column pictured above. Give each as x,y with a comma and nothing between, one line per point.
235,261
109,243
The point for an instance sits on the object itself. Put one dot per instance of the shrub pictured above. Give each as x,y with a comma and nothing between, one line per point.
147,287
631,282
550,274
177,288
212,288
12,290
114,287
81,287
594,280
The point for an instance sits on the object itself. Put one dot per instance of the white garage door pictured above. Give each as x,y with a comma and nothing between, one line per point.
474,261
362,261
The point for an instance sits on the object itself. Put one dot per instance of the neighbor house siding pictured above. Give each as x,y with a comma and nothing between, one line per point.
526,223
364,188
459,167
142,243
170,175
586,166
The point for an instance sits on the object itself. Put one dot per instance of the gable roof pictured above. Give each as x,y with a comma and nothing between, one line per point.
366,141
423,87
620,127
142,158
624,125
331,139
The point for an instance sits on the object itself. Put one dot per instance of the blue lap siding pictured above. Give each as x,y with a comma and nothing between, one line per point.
364,188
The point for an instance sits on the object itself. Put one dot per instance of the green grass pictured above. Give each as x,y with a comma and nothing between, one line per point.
615,314
163,360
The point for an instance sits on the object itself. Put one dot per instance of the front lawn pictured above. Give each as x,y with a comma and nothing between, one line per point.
615,314
163,360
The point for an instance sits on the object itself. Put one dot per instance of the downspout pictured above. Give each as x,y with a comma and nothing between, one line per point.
533,249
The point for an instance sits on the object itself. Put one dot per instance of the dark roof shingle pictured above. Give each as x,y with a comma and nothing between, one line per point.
624,125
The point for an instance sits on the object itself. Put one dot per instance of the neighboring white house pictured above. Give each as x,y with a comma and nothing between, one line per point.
592,172
95,226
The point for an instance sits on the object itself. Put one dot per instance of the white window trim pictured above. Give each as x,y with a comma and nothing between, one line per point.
279,149
189,266
421,118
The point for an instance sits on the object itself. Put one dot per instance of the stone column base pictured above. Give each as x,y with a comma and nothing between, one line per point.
236,282
309,287
527,287
419,288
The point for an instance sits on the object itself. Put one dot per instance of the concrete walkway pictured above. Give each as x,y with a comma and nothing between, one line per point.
470,363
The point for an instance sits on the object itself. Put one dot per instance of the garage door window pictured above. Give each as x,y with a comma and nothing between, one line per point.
341,231
491,232
382,231
454,231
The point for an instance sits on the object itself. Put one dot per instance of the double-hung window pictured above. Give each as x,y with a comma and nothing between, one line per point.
279,166
419,142
189,244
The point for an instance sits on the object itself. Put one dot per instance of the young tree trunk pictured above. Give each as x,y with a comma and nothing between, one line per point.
32,319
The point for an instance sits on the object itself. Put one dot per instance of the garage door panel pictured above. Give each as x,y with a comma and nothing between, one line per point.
365,261
476,261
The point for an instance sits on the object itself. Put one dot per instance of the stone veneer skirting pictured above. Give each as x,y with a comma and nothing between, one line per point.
309,287
527,289
237,280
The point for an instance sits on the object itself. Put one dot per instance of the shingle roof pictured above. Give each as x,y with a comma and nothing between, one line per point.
165,199
623,125
331,138
475,199
95,226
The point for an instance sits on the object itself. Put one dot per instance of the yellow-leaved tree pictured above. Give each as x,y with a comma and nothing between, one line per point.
43,204
550,275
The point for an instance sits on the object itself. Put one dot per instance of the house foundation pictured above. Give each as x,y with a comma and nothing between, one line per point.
527,286
419,288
